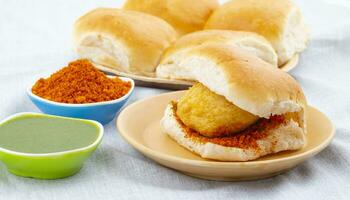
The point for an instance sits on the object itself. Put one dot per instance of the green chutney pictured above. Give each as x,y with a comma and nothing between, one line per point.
39,134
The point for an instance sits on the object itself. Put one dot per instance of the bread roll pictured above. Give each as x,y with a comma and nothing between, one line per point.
252,85
185,16
279,21
127,41
251,42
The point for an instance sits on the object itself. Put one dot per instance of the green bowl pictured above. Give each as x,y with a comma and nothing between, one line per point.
49,165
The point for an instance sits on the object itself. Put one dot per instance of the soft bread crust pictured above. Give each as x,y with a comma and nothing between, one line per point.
285,137
251,42
245,80
279,21
185,16
128,41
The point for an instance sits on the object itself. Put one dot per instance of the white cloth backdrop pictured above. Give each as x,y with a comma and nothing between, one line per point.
35,40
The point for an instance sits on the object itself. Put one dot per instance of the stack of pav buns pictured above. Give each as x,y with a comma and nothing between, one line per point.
148,37
241,109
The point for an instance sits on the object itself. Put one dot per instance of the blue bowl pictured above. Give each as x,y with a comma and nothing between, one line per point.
102,112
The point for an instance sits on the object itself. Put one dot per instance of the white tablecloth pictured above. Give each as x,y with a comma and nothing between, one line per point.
35,40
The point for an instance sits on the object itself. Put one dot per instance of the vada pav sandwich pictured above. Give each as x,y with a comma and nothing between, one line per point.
251,42
240,109
127,41
279,21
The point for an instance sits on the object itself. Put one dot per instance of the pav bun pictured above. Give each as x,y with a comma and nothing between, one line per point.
255,87
127,41
251,42
185,16
288,136
279,21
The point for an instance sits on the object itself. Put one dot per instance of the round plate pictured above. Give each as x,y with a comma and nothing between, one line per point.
152,82
173,84
143,132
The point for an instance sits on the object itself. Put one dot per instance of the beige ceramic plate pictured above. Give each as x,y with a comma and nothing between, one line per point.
139,125
172,84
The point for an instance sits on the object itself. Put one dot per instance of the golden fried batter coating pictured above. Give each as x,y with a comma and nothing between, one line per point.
210,114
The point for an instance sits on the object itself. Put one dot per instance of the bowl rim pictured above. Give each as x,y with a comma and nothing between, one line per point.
31,94
59,153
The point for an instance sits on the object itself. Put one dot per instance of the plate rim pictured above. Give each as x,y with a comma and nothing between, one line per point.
287,67
150,152
144,78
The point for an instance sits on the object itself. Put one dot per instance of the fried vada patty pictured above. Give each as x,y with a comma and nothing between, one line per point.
210,114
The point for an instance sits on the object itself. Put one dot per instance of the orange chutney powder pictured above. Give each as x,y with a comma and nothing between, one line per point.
80,82
246,139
